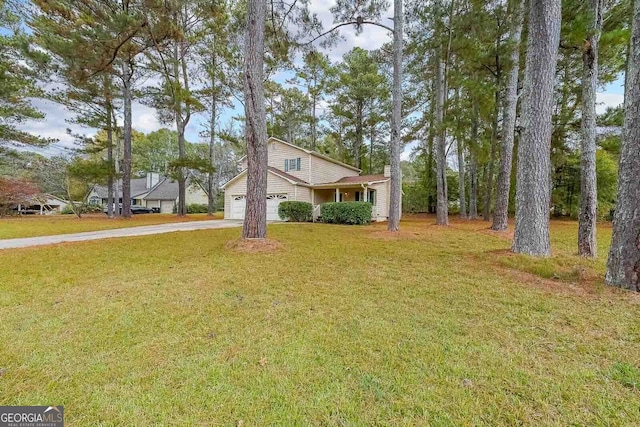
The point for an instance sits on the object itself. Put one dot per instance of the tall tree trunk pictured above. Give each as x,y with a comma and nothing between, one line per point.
486,211
313,118
126,159
588,183
395,202
473,166
462,196
623,265
255,218
534,150
109,112
501,213
357,151
211,197
442,207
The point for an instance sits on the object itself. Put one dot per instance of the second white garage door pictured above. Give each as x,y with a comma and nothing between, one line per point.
273,201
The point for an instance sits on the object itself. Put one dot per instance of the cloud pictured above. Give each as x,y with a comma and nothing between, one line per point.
605,100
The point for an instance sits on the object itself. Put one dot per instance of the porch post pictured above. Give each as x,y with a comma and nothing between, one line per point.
365,190
337,194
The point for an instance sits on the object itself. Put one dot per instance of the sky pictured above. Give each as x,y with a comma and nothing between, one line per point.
57,118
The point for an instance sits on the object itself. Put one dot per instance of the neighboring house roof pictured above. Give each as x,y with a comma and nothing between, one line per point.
166,189
138,187
313,153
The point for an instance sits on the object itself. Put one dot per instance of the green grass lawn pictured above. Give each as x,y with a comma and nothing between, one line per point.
343,326
36,225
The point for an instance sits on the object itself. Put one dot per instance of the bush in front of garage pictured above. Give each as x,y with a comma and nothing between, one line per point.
295,211
353,213
196,208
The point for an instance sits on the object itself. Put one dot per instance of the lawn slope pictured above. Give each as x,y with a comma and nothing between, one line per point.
343,326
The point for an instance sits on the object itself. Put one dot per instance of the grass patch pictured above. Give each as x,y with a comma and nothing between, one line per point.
36,225
338,327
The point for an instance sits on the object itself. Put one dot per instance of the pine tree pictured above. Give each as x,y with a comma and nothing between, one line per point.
533,172
623,265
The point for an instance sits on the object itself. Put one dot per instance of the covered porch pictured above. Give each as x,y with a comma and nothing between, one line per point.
343,193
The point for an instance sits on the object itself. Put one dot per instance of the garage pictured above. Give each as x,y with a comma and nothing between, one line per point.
239,202
166,206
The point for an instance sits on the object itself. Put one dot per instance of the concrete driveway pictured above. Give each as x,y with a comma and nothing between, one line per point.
144,230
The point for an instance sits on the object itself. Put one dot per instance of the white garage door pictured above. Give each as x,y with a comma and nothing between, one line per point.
273,200
166,206
238,204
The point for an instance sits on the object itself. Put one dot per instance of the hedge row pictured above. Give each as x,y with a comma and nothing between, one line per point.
295,211
346,212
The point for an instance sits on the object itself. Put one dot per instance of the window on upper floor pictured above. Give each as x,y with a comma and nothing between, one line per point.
292,164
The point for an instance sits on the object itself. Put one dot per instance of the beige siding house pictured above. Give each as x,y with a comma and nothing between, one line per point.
154,191
295,173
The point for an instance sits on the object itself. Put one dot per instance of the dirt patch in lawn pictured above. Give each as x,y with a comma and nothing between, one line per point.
252,246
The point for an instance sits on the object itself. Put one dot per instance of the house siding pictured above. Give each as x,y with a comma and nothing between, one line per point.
196,195
323,171
275,185
313,169
382,201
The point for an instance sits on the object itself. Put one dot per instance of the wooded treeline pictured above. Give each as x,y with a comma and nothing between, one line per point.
495,99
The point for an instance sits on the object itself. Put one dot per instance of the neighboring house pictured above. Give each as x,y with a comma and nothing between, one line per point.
153,191
295,173
43,204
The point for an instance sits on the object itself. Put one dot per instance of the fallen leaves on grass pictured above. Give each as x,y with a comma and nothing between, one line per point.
254,245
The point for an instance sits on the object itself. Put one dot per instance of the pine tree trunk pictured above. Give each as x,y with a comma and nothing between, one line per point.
126,159
588,183
255,218
623,265
357,151
486,211
501,213
473,165
108,111
534,150
395,203
442,206
462,196
211,197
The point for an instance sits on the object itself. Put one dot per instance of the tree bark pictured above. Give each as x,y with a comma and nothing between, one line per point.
462,196
623,265
587,246
126,159
109,112
486,211
473,164
501,213
442,206
534,150
396,121
255,219
357,152
212,140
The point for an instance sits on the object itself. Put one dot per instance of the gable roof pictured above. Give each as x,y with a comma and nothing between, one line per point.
287,176
313,153
275,171
138,187
166,189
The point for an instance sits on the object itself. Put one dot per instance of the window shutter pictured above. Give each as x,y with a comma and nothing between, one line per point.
286,165
298,163
357,196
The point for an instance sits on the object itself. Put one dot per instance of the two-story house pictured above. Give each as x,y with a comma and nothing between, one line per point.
295,173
